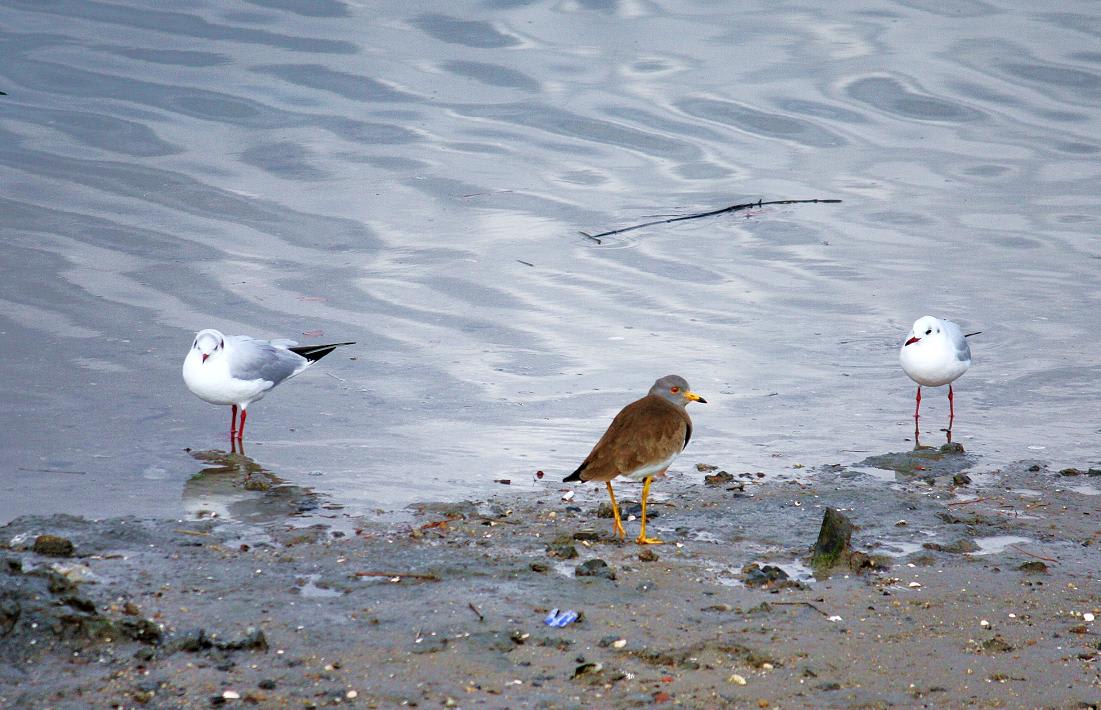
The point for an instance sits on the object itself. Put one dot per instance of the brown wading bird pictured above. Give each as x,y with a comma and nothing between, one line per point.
641,443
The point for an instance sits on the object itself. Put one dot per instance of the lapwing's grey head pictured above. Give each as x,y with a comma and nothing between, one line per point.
675,389
924,327
208,342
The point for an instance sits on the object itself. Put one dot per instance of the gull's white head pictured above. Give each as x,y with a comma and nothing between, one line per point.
207,342
924,327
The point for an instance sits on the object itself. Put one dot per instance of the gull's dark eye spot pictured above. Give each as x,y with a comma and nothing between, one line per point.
674,390
929,331
221,343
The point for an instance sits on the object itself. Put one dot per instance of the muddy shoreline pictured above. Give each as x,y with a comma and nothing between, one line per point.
980,593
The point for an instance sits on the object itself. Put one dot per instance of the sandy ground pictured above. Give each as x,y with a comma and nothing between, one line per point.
980,594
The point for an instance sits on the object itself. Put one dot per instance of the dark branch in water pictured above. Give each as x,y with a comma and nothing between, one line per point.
712,213
801,603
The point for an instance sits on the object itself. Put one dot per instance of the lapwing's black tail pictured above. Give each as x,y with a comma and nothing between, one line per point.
575,476
313,353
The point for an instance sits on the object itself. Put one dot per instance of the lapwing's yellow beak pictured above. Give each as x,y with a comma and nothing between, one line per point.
693,397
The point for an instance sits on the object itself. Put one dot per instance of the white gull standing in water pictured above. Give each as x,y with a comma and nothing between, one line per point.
238,370
934,354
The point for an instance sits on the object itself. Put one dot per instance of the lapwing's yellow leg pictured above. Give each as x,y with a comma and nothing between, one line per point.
615,513
642,539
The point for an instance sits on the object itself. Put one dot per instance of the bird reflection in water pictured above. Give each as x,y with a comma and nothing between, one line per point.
232,486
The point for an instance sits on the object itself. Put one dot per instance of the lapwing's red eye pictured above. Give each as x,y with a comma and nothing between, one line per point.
674,390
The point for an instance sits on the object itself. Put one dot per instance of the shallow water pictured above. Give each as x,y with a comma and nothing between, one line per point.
379,173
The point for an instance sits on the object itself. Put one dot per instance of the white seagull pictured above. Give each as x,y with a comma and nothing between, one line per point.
239,370
934,354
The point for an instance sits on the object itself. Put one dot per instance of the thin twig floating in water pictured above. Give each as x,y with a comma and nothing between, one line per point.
800,602
1033,554
712,213
398,576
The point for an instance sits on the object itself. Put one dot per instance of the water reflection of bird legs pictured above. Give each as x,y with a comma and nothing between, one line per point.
917,417
233,486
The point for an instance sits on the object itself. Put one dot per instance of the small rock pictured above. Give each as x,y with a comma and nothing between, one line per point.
562,551
539,567
963,545
706,467
191,641
586,669
961,479
53,546
1033,566
718,479
952,448
1064,472
736,679
635,509
1034,467
767,576
648,555
266,684
595,568
586,535
429,644
142,630
253,640
996,645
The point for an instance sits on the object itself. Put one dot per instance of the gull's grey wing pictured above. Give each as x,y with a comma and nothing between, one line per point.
251,359
958,340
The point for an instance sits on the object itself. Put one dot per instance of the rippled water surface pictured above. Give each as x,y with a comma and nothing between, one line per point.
414,177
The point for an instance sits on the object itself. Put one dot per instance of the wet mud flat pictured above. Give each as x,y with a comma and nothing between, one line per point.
962,589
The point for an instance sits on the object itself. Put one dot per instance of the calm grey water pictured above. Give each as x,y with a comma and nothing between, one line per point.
378,172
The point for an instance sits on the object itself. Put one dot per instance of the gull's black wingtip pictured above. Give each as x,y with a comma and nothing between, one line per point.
313,353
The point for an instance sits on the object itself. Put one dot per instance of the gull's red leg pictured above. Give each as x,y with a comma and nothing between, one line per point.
241,431
917,409
233,421
951,412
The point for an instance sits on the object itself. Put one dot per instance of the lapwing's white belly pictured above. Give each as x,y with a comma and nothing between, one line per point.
651,469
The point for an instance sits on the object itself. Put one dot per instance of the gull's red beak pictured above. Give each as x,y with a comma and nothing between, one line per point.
206,355
913,339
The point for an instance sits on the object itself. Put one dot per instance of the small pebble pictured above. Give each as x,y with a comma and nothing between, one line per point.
352,694
620,643
231,695
915,584
984,623
736,679
1087,616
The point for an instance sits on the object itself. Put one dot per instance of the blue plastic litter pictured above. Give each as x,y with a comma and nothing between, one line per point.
556,619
